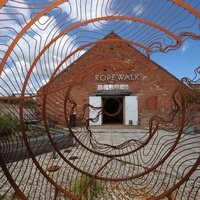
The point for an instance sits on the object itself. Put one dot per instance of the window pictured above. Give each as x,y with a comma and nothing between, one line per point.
113,87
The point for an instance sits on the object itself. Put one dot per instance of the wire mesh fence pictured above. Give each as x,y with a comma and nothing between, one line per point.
48,148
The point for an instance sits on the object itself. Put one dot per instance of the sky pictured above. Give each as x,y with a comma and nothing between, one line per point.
180,62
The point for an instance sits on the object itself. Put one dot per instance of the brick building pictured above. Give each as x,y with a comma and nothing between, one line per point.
128,86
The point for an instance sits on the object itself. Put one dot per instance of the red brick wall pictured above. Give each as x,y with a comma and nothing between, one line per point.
154,89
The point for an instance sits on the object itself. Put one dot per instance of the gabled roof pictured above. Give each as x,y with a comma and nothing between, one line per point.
109,35
112,35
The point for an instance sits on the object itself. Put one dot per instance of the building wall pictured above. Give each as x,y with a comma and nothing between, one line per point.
153,85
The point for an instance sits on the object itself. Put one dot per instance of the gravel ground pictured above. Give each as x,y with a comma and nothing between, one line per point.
38,183
36,186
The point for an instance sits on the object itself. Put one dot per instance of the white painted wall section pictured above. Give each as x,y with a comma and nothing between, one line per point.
131,110
96,102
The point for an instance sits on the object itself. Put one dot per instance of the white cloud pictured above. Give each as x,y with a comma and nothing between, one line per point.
138,9
26,50
185,47
11,24
11,79
40,34
83,10
12,21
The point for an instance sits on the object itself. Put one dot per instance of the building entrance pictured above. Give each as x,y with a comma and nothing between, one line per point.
112,110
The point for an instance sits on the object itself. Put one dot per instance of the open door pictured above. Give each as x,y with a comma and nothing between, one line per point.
131,110
96,102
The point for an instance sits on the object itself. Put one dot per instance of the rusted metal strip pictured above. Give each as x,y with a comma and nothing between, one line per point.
187,7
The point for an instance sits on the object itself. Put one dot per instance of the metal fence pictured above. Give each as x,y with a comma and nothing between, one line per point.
42,159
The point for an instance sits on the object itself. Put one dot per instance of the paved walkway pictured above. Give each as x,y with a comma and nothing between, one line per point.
179,162
117,134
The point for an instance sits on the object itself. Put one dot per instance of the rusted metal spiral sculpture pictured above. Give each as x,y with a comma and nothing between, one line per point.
41,158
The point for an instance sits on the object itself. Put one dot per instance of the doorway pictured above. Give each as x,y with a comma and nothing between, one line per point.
112,110
116,110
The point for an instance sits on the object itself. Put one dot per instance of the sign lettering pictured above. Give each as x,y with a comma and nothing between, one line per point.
117,77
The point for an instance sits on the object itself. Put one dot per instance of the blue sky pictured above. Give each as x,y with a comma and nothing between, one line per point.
180,62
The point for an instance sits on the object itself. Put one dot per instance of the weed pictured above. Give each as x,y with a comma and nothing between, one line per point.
8,124
92,191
